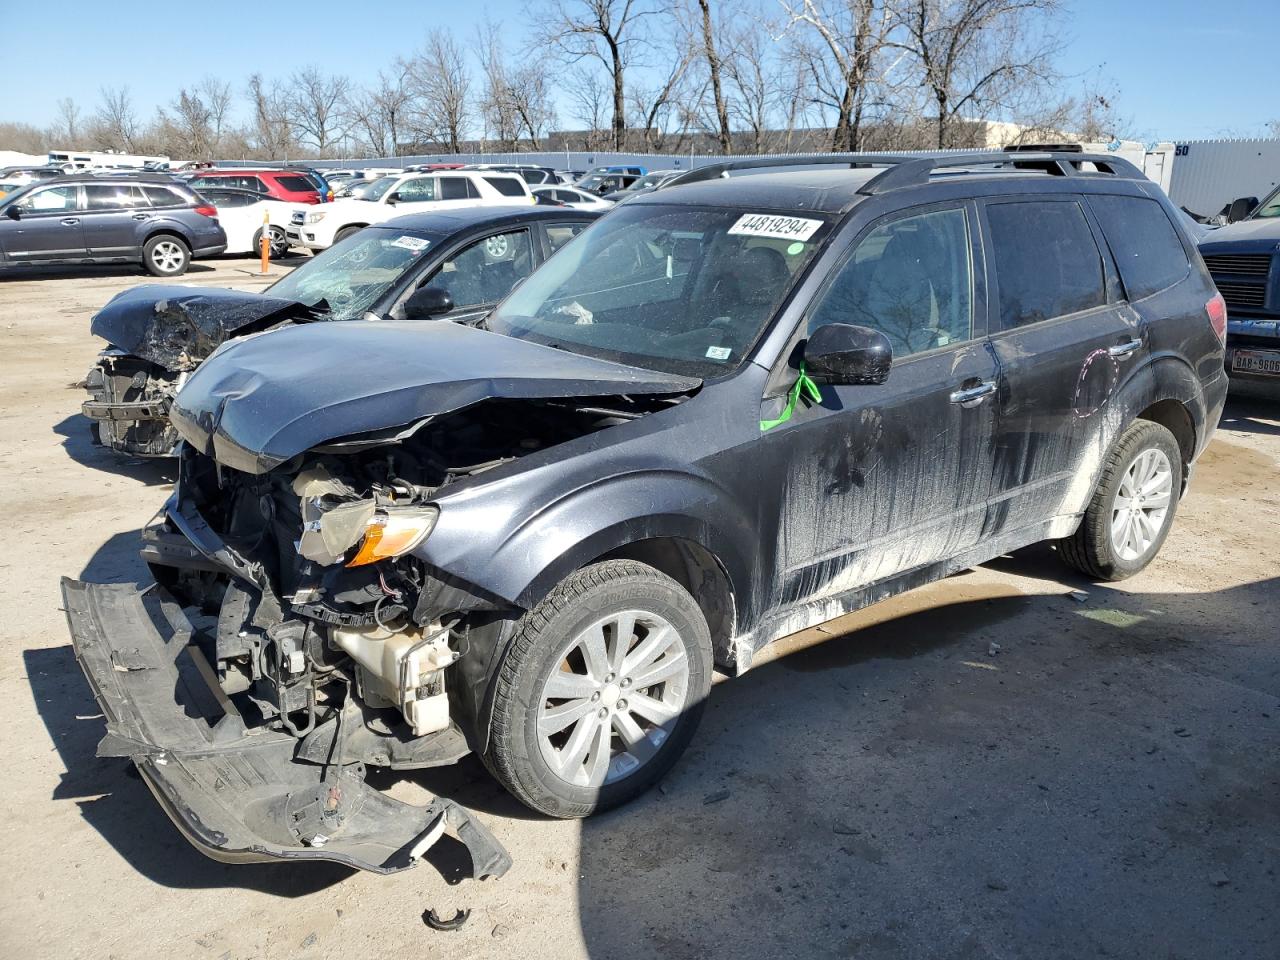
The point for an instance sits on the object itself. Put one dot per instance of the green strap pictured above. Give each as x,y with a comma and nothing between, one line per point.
804,388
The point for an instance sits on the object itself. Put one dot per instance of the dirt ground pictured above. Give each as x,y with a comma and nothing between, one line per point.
1106,782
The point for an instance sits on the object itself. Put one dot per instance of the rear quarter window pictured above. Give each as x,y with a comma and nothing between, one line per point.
1046,261
508,186
1147,249
164,197
295,184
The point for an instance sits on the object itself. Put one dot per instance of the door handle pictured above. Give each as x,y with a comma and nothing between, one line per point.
142,216
1122,350
972,396
70,221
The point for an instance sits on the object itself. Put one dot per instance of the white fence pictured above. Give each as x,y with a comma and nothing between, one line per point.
1209,174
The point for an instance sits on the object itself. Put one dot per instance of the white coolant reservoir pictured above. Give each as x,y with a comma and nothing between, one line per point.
402,668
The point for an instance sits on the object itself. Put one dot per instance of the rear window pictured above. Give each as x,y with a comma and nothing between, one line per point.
1047,263
1148,252
507,186
295,184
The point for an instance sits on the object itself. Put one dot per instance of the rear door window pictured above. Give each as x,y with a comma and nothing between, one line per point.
1047,263
101,196
1148,253
457,188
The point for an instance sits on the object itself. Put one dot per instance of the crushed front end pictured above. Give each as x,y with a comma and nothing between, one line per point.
159,334
290,642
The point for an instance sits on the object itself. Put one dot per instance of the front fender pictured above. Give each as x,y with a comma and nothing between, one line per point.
521,558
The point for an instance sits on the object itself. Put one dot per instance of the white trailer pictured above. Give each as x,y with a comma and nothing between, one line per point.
72,161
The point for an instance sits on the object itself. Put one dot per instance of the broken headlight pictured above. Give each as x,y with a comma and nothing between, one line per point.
393,532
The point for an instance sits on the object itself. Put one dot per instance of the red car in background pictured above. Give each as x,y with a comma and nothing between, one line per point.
291,186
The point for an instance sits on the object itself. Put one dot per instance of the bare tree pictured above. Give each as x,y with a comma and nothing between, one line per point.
383,114
753,84
23,138
656,105
602,30
217,97
711,55
517,102
442,85
588,104
272,133
193,123
974,55
115,123
316,107
67,125
846,59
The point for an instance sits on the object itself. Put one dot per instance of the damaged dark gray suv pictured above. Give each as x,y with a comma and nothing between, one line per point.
730,410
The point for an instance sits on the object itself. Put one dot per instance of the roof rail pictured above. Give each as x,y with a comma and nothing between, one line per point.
906,170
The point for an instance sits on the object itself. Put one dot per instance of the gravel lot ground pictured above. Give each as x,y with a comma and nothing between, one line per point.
1105,783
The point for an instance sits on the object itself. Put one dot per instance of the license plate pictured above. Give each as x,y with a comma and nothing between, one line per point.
1256,361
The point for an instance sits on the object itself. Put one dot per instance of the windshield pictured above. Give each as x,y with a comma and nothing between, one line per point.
681,289
350,276
1270,207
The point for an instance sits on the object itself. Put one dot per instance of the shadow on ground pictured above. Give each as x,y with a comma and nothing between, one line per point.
1102,784
76,431
14,274
1252,414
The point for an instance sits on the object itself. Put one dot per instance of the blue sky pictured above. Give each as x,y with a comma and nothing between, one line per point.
1183,68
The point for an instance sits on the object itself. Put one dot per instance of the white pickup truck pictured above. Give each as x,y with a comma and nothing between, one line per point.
320,226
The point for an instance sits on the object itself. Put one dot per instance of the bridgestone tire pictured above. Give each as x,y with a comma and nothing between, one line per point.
1090,549
514,755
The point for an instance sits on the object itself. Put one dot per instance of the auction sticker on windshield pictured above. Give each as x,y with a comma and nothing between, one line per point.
771,225
416,244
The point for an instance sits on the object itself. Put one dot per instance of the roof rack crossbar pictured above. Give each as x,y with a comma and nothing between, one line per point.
905,170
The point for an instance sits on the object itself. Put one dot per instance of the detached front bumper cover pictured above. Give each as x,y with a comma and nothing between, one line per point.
237,794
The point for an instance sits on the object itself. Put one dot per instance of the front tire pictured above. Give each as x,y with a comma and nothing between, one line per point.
166,256
600,691
1132,508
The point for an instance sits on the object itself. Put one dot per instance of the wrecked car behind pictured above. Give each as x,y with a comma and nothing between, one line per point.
709,423
157,335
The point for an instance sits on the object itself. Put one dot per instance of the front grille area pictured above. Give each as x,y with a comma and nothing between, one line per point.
1242,294
1239,264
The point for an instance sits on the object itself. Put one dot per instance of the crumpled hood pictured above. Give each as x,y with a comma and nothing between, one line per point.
262,400
177,326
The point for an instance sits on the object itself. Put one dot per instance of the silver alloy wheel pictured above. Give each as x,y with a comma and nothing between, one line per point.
168,256
278,241
615,696
1141,507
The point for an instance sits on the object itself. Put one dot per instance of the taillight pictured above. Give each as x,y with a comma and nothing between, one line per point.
1217,311
207,211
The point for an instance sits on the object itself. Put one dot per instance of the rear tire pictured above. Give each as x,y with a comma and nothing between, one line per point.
166,256
1132,508
277,239
548,697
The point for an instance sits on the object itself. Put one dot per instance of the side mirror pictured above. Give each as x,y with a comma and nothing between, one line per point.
1240,208
848,354
394,198
427,302
13,212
